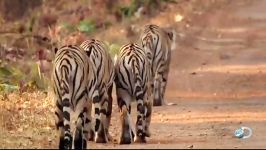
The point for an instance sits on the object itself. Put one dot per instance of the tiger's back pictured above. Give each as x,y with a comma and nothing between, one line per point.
102,61
157,44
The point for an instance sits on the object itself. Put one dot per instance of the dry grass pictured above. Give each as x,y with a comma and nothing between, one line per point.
27,120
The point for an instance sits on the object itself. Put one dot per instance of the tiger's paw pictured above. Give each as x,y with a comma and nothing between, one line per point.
101,139
90,136
109,137
124,141
157,102
147,133
140,139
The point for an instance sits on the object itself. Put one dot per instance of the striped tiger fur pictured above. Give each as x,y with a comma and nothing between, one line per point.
102,61
158,43
74,85
133,82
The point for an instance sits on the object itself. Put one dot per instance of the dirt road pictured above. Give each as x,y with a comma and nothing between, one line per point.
217,80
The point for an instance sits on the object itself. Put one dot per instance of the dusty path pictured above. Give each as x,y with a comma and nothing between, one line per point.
218,81
204,124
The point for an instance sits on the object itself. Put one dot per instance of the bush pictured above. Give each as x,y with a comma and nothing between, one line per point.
16,77
87,26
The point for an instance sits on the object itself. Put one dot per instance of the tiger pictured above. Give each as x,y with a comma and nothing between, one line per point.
74,86
132,80
98,54
157,43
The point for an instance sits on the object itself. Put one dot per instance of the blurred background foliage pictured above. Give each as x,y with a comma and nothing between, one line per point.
30,29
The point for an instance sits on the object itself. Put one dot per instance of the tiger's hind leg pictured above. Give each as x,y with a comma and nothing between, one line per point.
109,112
140,123
81,112
100,109
148,112
59,123
124,100
163,86
164,83
66,115
105,116
79,139
160,83
88,131
101,136
157,90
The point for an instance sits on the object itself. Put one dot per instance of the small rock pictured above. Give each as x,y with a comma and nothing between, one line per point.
178,18
171,104
161,115
203,134
190,146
